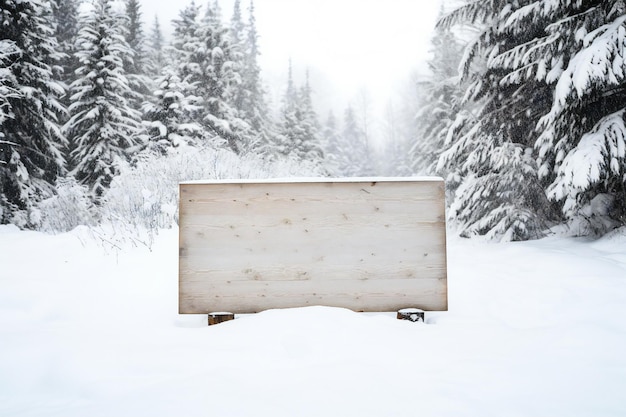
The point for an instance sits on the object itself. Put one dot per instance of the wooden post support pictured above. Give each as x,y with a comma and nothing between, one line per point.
411,314
216,318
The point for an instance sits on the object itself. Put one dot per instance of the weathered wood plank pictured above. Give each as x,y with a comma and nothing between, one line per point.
382,300
368,245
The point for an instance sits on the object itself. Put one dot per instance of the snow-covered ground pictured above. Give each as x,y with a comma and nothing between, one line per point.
534,329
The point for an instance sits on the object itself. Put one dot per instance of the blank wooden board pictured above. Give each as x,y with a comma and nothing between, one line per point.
365,244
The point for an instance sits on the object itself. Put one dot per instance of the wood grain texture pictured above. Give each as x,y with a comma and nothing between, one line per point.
363,244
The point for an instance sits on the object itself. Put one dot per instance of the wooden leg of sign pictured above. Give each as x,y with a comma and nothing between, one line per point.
411,314
216,318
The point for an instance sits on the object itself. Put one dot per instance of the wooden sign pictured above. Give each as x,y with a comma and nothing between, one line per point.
363,244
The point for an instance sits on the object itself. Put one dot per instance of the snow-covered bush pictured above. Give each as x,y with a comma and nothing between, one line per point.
595,218
68,208
144,197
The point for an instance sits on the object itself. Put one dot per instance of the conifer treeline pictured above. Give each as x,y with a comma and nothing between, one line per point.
524,113
82,93
530,131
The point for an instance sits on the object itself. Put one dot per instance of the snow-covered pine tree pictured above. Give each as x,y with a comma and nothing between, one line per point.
178,86
242,90
298,135
208,63
155,57
355,158
249,95
31,143
184,39
8,84
491,141
288,123
289,129
396,136
346,151
554,80
582,138
311,147
363,108
135,64
331,144
103,127
170,117
213,12
439,94
135,38
185,25
222,71
66,18
237,26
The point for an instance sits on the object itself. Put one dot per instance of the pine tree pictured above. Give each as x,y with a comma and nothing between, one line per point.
66,18
208,64
440,95
135,64
331,144
396,139
185,30
170,117
582,138
155,58
213,13
355,154
179,79
222,72
8,83
551,96
173,116
491,141
31,143
363,112
298,135
289,130
310,148
345,148
102,127
237,27
249,95
134,38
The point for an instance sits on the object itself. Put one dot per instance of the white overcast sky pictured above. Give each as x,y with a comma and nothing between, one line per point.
347,44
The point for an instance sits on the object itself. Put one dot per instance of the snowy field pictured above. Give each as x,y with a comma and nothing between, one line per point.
534,329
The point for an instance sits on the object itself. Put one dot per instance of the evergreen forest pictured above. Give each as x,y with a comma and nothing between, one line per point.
522,112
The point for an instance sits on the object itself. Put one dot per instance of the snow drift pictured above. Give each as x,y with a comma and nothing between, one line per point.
534,329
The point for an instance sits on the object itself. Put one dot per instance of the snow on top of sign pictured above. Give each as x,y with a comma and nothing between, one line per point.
313,179
410,310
